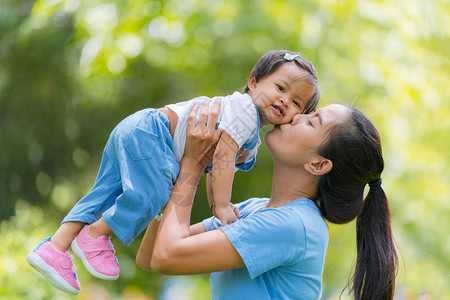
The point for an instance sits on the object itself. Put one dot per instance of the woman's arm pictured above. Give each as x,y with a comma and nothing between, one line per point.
176,251
209,189
145,252
197,229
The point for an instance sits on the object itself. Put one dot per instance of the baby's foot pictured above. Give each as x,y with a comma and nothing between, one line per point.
56,266
97,255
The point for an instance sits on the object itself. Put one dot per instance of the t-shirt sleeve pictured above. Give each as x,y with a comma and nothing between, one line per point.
211,223
246,166
244,207
250,158
268,239
239,118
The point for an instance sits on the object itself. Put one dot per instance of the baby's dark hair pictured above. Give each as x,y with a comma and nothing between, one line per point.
272,60
354,147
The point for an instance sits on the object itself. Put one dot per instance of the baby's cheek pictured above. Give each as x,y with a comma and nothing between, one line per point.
290,117
264,118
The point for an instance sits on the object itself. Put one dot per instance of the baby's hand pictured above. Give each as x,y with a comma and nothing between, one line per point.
227,214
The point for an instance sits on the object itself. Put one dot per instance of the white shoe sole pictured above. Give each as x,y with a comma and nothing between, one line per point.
50,274
78,252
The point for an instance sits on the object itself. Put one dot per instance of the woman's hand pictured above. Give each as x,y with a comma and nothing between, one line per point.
201,139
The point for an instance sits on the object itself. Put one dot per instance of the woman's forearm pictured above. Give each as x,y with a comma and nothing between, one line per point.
145,252
178,252
209,189
175,223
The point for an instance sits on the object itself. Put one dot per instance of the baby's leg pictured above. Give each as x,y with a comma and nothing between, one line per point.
148,169
93,245
51,257
99,228
65,234
53,261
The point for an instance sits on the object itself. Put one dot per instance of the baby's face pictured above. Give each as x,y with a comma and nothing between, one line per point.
282,94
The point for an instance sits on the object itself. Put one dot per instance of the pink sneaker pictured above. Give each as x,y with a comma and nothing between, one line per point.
57,267
97,255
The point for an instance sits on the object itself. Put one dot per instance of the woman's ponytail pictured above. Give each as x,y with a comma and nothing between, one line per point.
354,147
377,261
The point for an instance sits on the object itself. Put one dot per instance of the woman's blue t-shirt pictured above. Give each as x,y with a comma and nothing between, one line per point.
283,250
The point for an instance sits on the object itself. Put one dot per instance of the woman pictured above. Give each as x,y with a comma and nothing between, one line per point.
322,162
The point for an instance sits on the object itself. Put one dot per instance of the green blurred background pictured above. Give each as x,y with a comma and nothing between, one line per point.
70,70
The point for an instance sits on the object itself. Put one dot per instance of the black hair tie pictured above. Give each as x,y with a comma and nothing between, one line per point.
376,183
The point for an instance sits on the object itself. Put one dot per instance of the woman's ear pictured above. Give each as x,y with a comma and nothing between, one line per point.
319,167
251,81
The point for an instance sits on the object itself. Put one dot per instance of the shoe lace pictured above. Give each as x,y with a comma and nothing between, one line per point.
74,266
64,263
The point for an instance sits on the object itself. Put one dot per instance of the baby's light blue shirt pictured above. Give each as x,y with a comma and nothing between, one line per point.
283,250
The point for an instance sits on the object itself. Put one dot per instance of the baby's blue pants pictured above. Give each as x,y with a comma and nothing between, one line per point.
135,178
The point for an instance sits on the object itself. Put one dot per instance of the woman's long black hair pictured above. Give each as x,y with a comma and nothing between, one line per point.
354,147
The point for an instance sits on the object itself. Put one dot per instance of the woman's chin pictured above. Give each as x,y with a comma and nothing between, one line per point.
269,138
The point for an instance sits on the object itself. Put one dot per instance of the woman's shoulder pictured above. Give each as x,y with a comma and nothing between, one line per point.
312,221
254,201
300,215
306,209
252,204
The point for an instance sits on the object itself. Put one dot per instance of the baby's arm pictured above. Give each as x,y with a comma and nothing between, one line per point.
210,196
222,178
210,179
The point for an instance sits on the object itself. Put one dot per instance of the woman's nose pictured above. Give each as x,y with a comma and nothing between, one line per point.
295,119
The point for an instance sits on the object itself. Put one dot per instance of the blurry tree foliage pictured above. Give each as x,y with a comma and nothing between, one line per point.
70,70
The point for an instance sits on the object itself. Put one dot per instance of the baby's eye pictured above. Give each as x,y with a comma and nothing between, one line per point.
280,88
296,103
